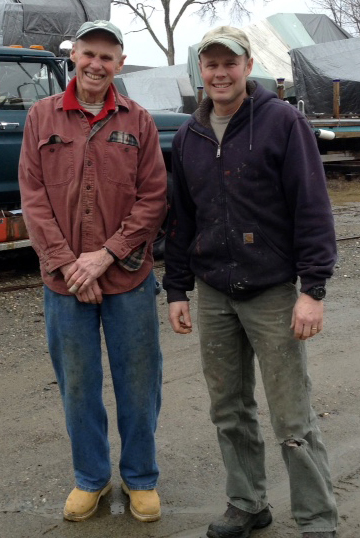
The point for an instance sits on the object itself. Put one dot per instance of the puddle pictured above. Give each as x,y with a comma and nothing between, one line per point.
117,508
29,507
114,504
108,506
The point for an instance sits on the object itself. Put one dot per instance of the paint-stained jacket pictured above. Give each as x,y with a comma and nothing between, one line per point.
253,211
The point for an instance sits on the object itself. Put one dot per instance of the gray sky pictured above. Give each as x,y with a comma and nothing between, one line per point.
142,50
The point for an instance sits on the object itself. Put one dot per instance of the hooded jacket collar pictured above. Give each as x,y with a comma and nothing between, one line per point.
256,96
202,114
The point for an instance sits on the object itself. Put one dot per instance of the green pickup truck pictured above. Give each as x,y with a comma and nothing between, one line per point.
27,75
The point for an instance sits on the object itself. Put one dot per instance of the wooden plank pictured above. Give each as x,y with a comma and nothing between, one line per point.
355,123
347,134
12,245
337,157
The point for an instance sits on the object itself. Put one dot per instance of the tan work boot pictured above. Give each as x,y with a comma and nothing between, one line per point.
144,503
81,505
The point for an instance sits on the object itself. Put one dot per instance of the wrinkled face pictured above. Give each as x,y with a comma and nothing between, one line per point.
98,58
224,75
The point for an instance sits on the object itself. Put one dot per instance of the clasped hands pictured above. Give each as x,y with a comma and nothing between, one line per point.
81,276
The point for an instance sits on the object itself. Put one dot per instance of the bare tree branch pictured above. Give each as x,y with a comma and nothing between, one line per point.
345,13
207,9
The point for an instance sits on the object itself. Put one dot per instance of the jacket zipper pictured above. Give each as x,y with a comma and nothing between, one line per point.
218,151
218,155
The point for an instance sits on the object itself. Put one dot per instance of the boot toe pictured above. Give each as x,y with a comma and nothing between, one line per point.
81,505
144,504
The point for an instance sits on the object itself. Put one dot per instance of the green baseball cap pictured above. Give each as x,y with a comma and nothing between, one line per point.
233,38
106,26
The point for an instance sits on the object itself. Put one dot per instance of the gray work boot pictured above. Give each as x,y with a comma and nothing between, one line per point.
236,523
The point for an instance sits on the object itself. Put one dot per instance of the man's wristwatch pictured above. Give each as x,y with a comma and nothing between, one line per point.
317,292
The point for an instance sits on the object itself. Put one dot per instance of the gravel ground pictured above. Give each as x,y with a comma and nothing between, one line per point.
35,461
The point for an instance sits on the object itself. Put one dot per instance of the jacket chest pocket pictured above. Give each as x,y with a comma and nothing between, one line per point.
57,159
121,158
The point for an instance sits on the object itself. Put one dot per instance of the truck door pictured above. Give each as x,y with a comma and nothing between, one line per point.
23,81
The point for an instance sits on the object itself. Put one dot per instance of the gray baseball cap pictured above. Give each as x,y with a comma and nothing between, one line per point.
232,38
106,26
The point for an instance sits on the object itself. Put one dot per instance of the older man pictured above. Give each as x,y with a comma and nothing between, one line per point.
93,186
250,216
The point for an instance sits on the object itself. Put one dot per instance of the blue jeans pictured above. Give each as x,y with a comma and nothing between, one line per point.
231,332
131,329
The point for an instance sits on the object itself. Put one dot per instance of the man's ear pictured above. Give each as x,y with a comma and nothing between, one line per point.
249,66
72,53
120,64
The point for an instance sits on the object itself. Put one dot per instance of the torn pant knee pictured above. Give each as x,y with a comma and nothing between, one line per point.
293,443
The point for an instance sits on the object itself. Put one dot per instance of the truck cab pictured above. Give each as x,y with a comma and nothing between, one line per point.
26,76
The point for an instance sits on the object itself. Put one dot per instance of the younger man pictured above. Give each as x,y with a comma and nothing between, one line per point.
251,215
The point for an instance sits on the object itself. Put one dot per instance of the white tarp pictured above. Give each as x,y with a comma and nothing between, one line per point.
270,51
166,71
160,88
154,93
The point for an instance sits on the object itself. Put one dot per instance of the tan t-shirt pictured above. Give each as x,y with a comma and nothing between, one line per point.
219,124
93,108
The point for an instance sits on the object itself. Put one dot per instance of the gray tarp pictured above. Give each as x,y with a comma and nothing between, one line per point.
304,29
47,22
315,68
321,28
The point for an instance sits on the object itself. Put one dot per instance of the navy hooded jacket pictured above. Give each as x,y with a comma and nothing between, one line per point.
253,211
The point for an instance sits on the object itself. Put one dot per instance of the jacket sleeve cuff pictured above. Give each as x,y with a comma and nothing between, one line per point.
53,262
176,295
308,284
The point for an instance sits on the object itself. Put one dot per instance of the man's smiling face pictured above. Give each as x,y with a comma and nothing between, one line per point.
224,75
98,58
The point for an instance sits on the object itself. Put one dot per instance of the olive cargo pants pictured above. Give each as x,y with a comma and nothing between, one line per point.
231,333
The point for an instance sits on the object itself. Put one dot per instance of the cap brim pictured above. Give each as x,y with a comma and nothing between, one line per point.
88,31
228,43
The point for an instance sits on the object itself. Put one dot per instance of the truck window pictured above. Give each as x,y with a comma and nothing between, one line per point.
24,83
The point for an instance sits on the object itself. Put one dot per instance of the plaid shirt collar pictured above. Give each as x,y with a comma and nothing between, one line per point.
70,102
